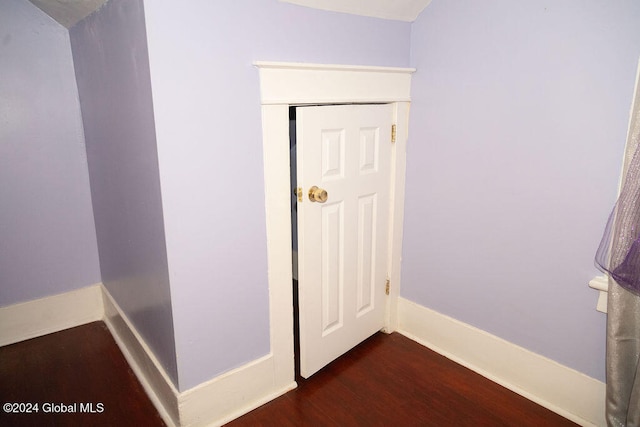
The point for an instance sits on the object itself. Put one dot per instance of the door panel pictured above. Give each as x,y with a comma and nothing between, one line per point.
332,269
366,253
332,154
342,243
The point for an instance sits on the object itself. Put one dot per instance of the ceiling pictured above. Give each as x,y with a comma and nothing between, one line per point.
69,12
398,10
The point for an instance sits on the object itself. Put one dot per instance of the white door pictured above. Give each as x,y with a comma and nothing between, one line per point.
344,150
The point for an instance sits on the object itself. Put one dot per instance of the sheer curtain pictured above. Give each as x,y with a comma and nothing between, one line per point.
619,256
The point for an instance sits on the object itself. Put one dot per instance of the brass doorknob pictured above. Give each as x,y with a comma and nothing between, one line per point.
317,194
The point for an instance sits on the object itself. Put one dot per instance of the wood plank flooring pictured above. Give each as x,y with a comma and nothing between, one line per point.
79,365
388,380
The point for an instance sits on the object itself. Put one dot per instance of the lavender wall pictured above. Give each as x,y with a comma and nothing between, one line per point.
207,109
112,71
47,234
518,123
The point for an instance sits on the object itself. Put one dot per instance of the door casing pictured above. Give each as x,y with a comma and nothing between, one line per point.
285,84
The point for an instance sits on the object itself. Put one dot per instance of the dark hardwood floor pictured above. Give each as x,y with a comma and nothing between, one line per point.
78,366
388,380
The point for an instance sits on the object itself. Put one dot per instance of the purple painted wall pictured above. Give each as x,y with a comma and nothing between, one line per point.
518,124
47,234
112,71
208,124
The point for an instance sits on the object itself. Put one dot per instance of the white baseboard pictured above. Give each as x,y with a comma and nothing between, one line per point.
55,313
563,390
142,361
212,403
231,395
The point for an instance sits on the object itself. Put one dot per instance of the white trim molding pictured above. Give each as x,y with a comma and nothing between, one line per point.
601,284
31,319
211,403
286,84
302,83
396,216
563,390
142,361
224,398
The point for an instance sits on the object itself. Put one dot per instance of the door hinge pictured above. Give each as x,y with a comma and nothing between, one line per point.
387,286
393,133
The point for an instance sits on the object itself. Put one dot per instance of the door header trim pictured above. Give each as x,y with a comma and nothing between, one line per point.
299,83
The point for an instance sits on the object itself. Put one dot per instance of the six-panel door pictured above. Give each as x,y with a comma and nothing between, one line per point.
343,241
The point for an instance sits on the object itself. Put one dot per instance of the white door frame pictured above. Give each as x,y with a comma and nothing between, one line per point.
285,84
